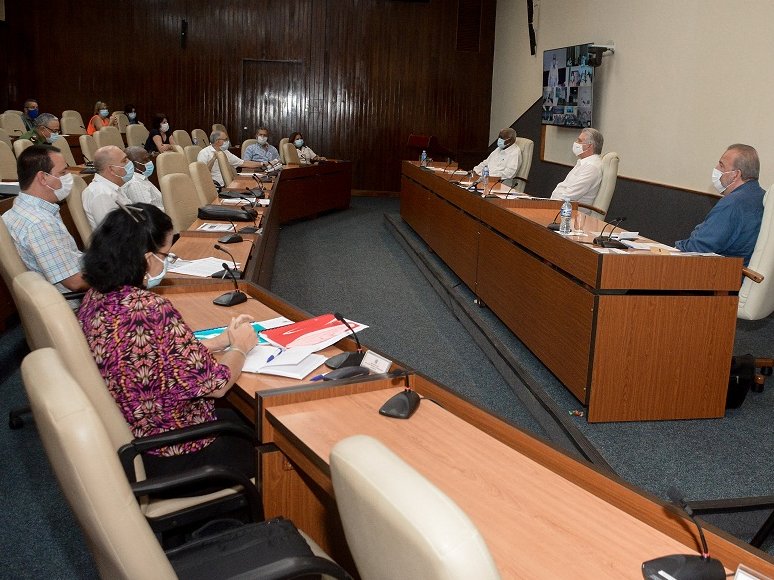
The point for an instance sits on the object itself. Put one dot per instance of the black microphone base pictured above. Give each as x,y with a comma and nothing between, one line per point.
231,298
230,239
248,230
608,243
345,359
553,227
683,567
223,274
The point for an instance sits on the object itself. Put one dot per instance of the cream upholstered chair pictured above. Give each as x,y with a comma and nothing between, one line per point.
280,148
136,135
88,147
181,200
226,170
72,125
14,111
7,163
72,113
64,149
192,153
397,523
607,185
200,138
245,144
77,213
5,137
178,148
170,162
182,138
290,153
108,136
123,121
522,175
202,180
20,145
12,123
756,300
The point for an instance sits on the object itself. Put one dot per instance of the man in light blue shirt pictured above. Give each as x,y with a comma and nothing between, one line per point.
262,151
731,227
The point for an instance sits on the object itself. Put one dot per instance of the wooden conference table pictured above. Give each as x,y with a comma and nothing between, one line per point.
634,336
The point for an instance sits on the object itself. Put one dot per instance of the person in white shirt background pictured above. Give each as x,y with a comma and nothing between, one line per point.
219,141
140,189
505,160
583,180
114,169
305,153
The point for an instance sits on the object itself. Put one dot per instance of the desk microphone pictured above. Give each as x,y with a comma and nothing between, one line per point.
447,166
253,228
346,359
554,225
235,273
231,238
684,566
489,193
468,175
234,297
609,242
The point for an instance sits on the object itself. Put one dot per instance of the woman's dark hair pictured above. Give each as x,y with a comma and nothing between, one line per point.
293,135
116,256
129,108
157,120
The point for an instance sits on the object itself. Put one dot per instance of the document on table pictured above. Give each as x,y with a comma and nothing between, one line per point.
294,363
202,268
219,227
257,327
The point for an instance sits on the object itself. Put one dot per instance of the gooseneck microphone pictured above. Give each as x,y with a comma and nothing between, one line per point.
609,242
235,272
231,238
684,566
467,176
346,359
555,225
234,297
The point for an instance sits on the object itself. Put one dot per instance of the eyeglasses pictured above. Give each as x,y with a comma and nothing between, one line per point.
50,129
132,211
169,257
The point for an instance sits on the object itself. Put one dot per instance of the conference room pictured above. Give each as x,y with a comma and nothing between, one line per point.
599,374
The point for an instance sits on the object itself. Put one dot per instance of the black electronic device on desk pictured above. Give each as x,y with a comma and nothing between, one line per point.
402,405
609,242
227,214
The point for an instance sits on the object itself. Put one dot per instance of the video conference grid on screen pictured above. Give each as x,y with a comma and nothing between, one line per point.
567,86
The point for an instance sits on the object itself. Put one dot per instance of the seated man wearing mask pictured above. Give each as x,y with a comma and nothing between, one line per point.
731,227
114,169
583,180
30,113
219,141
261,152
140,189
504,161
45,131
40,236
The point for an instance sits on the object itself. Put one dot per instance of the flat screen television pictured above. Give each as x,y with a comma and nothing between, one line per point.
567,86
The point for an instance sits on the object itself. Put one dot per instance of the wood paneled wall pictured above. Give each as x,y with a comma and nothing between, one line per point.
355,76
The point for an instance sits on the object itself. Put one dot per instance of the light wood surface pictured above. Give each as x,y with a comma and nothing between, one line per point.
196,247
537,523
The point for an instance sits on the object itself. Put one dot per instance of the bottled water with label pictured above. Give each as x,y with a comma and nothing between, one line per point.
423,159
565,225
485,177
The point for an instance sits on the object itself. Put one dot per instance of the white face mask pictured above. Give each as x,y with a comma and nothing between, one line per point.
66,186
577,149
500,143
225,146
164,127
716,175
262,139
154,281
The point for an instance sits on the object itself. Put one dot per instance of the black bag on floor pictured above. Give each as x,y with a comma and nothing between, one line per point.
741,380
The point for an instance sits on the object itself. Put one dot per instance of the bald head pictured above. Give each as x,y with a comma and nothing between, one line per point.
109,162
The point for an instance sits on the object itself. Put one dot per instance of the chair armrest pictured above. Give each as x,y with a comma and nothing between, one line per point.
752,275
592,208
298,566
524,179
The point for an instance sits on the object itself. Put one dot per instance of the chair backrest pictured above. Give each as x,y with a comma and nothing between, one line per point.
192,153
64,148
397,523
7,163
136,135
202,180
291,154
14,111
200,138
70,113
181,201
89,472
11,264
12,122
5,137
72,125
108,136
20,145
182,138
88,147
123,121
526,146
171,162
77,213
245,144
756,301
281,149
219,127
607,185
226,170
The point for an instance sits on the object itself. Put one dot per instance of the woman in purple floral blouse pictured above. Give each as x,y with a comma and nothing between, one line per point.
160,375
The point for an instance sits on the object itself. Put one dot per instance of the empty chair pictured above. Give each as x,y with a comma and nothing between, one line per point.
20,145
4,137
291,154
181,201
170,162
67,153
280,149
123,121
120,540
756,300
182,138
522,175
12,123
395,533
245,144
72,126
136,135
202,180
192,153
70,113
200,138
108,136
14,111
218,127
77,213
88,147
7,163
607,185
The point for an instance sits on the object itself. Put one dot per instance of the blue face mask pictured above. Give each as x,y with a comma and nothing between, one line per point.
51,138
103,113
128,171
299,143
501,143
148,171
154,281
33,113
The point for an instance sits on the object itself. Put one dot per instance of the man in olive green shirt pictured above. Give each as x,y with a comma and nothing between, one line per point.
45,131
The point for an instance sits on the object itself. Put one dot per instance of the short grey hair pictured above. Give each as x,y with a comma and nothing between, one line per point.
135,153
595,138
510,132
746,161
44,119
215,135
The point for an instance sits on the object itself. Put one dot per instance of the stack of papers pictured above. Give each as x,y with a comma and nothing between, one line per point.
294,363
202,268
219,227
313,334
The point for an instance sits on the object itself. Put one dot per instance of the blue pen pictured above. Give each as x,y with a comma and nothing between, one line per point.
317,378
275,355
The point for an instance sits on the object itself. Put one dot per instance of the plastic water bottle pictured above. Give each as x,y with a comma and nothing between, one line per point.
423,159
485,177
565,225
